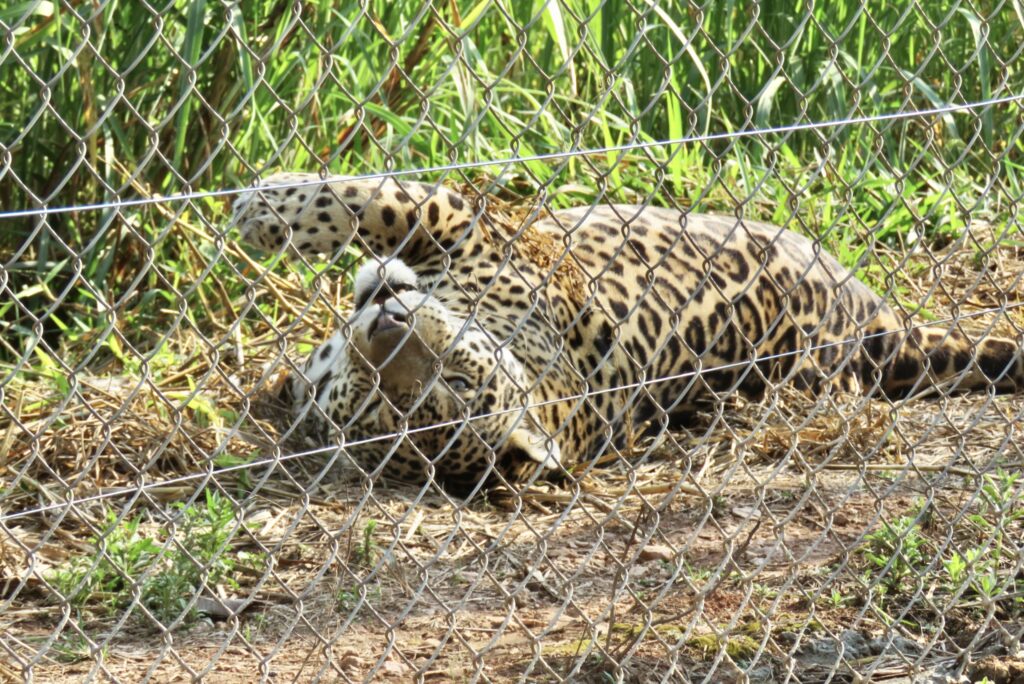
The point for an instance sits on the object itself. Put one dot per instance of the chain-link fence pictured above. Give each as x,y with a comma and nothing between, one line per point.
673,440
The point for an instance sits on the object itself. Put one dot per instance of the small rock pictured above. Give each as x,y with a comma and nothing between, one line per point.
349,660
853,646
535,580
761,675
393,667
656,552
203,625
998,670
638,570
899,644
786,638
746,512
220,609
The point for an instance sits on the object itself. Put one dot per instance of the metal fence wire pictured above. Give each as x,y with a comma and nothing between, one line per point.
585,340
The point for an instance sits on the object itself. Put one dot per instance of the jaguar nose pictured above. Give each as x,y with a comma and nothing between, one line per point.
388,320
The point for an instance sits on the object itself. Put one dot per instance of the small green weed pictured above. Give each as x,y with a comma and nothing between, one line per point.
199,559
122,554
837,599
349,597
254,626
985,567
170,575
366,550
697,574
897,550
73,647
244,482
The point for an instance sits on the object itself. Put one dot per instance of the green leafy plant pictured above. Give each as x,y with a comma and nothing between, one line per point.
121,555
986,567
366,549
168,575
201,559
226,460
956,568
898,550
350,597
837,599
73,647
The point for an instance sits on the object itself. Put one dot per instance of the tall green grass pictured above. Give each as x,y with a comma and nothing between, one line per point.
101,103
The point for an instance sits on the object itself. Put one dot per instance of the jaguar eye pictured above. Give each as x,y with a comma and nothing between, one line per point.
457,384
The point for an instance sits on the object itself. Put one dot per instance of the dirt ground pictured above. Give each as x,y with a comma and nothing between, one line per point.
731,552
709,559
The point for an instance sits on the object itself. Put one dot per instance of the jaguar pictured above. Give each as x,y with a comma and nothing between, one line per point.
482,350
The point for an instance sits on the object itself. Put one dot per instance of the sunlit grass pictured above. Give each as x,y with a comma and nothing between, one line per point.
116,102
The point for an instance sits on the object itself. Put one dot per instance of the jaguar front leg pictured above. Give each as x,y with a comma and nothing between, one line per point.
305,393
314,216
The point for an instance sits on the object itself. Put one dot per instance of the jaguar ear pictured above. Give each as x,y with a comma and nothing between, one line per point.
537,446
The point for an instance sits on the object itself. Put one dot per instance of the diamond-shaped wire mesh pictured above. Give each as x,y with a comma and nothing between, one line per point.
537,438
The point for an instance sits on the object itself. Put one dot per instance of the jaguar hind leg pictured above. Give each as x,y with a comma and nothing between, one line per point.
305,393
903,364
